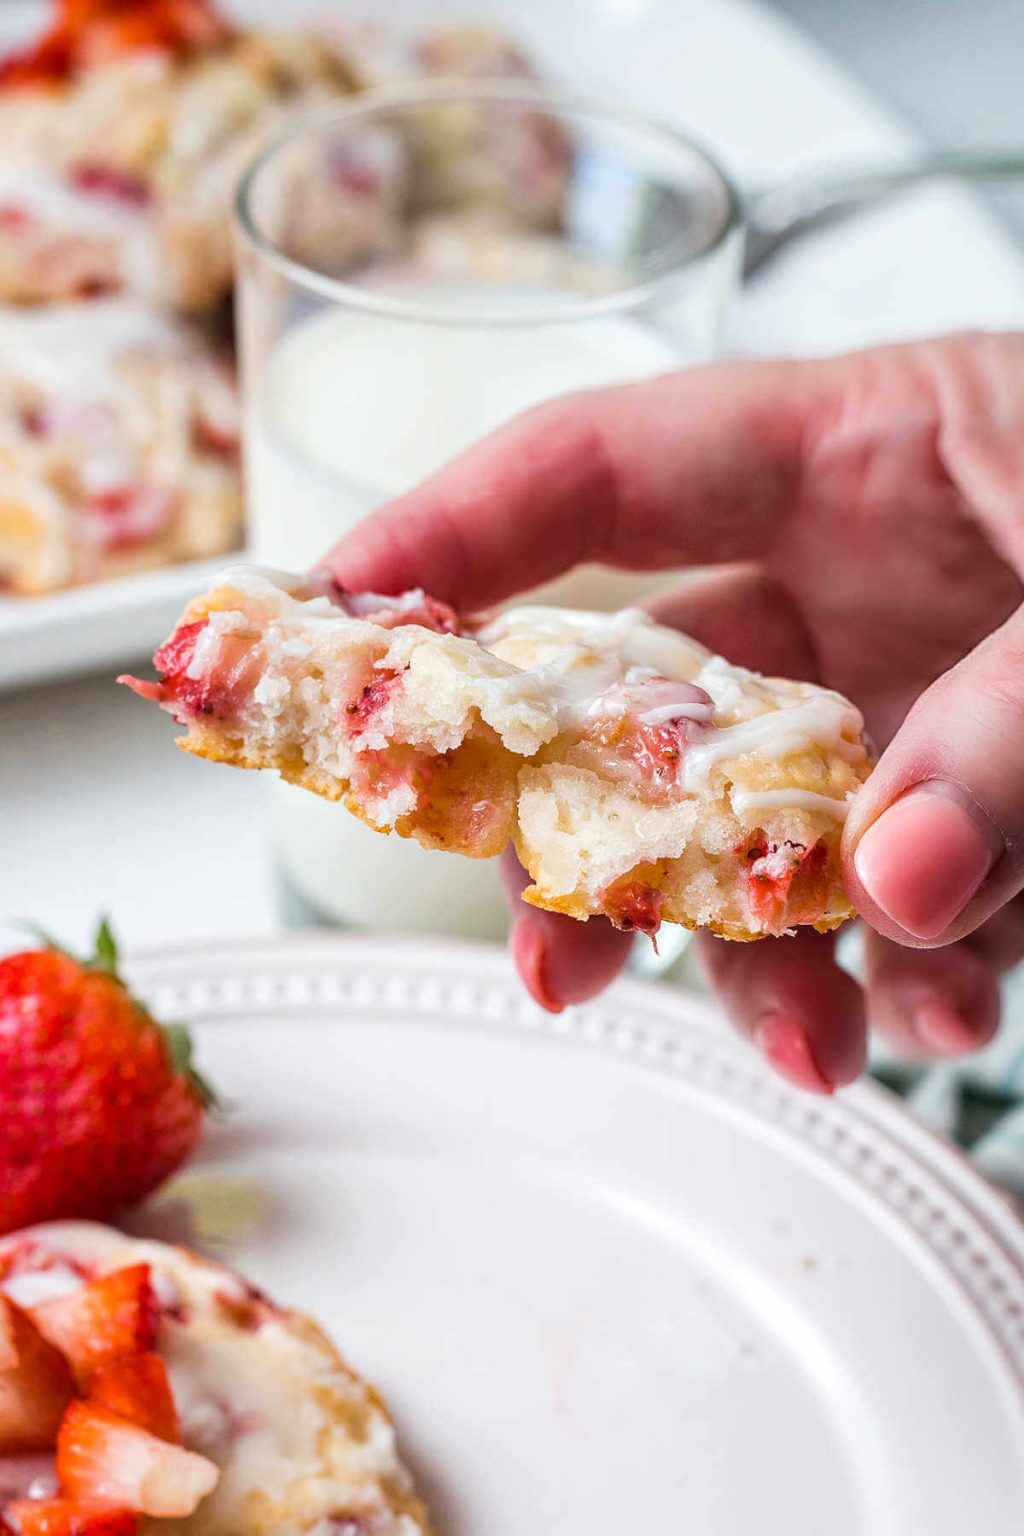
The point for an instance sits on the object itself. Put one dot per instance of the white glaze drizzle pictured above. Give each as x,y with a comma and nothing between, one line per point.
823,719
591,664
630,636
365,604
53,200
663,714
744,800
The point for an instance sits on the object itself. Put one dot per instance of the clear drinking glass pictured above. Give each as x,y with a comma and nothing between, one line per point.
416,268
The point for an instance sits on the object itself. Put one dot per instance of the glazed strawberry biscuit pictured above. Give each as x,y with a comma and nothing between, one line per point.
125,131
640,776
144,1389
127,126
512,160
118,447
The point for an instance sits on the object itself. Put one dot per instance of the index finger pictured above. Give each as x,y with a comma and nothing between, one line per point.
690,468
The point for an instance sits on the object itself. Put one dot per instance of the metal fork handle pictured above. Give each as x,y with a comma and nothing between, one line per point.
776,215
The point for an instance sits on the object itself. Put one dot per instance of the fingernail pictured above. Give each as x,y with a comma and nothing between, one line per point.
529,953
784,1042
943,1031
925,857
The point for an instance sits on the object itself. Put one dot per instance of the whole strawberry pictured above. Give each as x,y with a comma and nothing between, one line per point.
98,1102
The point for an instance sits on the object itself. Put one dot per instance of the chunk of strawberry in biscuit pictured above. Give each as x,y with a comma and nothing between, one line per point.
36,1383
138,1388
787,880
634,906
371,699
412,607
190,692
114,1315
108,181
66,1517
102,1457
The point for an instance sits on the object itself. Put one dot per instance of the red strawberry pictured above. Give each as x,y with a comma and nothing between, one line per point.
102,1457
67,1517
114,1315
35,1383
98,1102
139,1389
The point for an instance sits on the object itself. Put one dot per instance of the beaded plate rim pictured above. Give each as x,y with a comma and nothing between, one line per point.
865,1136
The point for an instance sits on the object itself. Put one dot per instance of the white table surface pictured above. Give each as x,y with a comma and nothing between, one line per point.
98,811
952,69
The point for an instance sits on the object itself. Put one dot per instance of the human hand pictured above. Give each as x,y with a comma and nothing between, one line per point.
866,518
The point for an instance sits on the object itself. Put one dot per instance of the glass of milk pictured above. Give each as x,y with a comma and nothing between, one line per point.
416,268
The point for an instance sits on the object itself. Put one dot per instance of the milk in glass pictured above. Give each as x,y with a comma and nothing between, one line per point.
349,409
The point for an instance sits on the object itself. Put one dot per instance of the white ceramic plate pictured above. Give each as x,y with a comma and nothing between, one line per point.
108,624
760,95
612,1277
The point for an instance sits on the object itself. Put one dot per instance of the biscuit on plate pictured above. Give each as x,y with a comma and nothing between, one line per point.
266,1431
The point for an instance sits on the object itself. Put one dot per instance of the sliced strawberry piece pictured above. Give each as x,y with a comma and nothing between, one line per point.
352,169
103,1458
14,219
35,1383
787,882
412,607
371,700
114,1315
634,906
139,1389
45,62
657,751
173,660
222,686
127,517
67,1517
644,734
216,438
165,26
107,181
176,690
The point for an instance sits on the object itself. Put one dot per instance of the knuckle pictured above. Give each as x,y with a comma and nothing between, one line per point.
977,350
1003,687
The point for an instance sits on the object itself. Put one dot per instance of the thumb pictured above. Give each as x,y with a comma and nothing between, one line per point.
933,843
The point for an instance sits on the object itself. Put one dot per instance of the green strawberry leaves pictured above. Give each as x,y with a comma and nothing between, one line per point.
176,1037
103,957
105,949
44,939
179,1049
